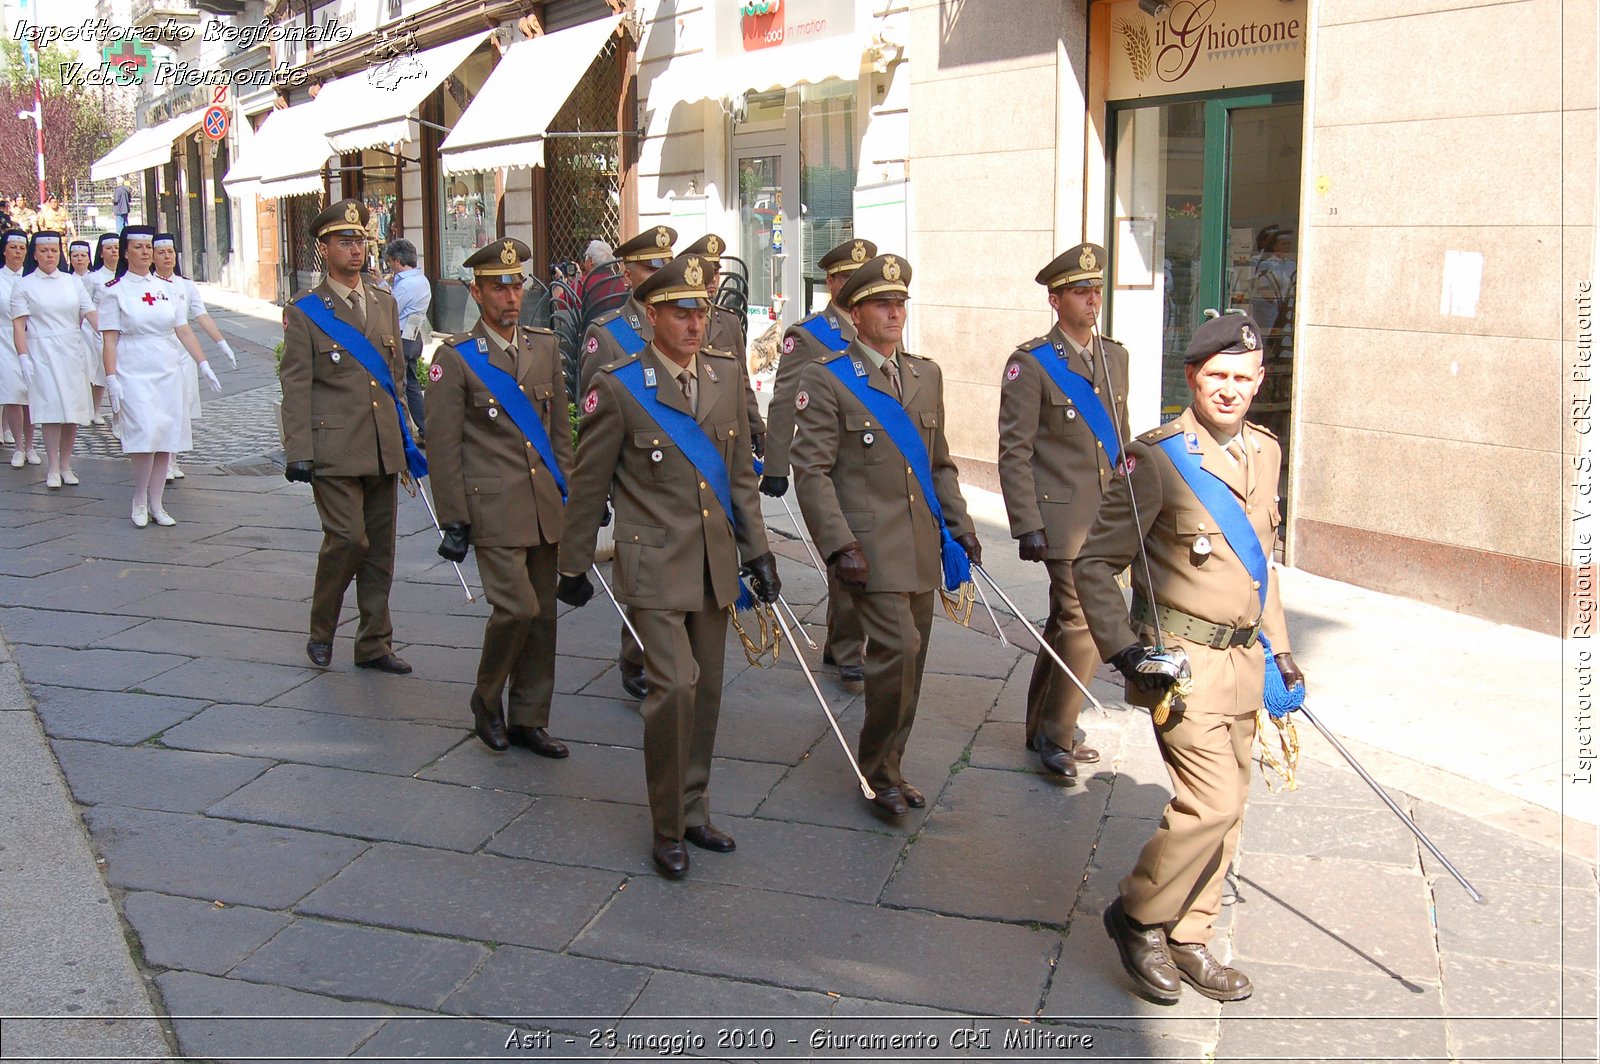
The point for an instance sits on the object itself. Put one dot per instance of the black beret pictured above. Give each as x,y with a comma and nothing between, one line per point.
1228,334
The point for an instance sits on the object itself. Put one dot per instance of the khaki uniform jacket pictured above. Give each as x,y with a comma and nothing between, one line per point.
334,414
1214,586
799,350
601,348
725,332
853,483
670,527
485,472
1053,470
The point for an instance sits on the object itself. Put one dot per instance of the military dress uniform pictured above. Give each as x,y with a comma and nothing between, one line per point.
677,554
1209,605
341,431
651,248
799,349
728,331
1053,472
492,488
857,491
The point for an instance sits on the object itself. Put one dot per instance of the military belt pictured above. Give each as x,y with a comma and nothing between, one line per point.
1186,626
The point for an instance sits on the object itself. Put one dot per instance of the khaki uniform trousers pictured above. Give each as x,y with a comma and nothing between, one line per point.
519,640
1053,700
845,637
896,626
683,665
358,516
1178,880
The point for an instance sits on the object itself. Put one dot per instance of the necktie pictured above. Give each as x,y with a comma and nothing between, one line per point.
686,382
892,371
1236,452
357,304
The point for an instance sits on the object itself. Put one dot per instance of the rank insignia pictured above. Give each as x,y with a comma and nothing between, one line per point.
435,372
483,345
592,344
1191,443
802,400
1013,371
861,371
649,377
591,400
711,375
788,344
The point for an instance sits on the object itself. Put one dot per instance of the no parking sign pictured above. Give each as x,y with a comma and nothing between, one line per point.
215,121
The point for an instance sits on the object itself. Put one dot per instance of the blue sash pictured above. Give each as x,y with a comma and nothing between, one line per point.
905,436
504,388
820,327
1081,391
356,342
625,334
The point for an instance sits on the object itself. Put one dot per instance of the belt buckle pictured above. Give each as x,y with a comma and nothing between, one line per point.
1255,633
1221,637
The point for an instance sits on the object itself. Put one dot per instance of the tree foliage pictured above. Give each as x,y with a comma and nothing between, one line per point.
80,123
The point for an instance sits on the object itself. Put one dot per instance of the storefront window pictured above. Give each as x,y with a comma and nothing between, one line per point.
827,178
467,206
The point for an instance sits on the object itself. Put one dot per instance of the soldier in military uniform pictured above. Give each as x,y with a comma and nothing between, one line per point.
1063,411
726,330
818,336
665,436
1198,503
499,488
863,503
343,436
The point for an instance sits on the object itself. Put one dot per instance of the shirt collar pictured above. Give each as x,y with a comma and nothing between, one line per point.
341,291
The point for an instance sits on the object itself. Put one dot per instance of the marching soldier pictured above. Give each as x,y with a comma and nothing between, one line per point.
727,331
869,446
499,450
1197,515
1058,447
818,337
666,437
343,434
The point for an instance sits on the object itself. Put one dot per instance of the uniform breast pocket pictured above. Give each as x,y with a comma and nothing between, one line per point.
1066,417
542,396
485,409
1196,531
865,431
655,449
480,486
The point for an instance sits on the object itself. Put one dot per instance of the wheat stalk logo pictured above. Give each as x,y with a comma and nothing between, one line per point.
1136,40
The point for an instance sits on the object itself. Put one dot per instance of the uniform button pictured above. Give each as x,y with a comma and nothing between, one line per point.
522,387
909,472
373,383
655,443
866,424
1047,498
374,404
530,446
1201,526
705,513
1097,391
636,539
730,432
1249,509
1255,585
1100,445
912,496
702,485
534,472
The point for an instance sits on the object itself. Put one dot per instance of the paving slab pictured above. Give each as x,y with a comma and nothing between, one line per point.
1489,855
735,1020
365,693
1309,829
198,857
524,903
1525,1001
771,715
61,628
197,936
216,641
167,546
597,719
823,789
110,716
145,777
375,964
572,993
605,773
815,944
974,651
1298,1011
255,1019
1537,924
103,670
373,806
250,682
90,586
395,747
1089,986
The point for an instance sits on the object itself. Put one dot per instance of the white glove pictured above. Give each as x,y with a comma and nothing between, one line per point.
211,378
233,362
114,392
27,368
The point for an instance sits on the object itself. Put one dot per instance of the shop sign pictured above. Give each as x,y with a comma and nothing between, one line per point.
754,25
1204,45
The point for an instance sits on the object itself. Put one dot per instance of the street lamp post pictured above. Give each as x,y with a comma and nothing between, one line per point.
37,114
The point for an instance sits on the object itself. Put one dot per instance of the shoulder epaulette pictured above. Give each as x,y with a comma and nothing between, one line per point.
1156,435
912,354
1029,345
537,329
1262,429
607,316
718,353
113,281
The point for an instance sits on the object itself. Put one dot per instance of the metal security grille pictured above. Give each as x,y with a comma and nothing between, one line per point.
583,197
302,265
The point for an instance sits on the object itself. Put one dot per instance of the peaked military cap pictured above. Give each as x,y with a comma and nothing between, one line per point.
710,246
1230,334
847,257
499,261
1081,267
681,282
346,216
886,275
653,247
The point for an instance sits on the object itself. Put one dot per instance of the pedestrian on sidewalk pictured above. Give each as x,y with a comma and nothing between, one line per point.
121,204
1195,512
144,320
412,295
850,459
48,308
666,435
497,413
13,386
343,436
166,267
1063,413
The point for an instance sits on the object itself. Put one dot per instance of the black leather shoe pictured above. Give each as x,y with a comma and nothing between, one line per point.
488,725
633,679
891,801
538,740
827,658
1087,755
1032,743
321,654
1055,760
388,663
1144,956
709,838
1197,967
671,859
914,798
851,676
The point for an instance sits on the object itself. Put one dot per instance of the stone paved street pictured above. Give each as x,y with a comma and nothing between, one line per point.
283,841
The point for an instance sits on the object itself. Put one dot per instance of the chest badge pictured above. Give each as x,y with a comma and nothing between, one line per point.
649,377
655,456
711,374
1072,413
1191,442
334,356
861,371
1202,545
494,412
867,439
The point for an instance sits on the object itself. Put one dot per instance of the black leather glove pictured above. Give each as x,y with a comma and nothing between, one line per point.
1291,672
1127,662
574,590
764,577
1032,546
300,471
453,547
969,543
849,564
758,444
606,517
777,487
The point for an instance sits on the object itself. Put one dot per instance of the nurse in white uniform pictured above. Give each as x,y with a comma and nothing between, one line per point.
107,254
13,388
80,256
166,265
145,324
48,307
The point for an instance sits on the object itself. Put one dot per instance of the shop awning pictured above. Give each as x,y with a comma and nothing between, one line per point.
790,64
151,146
374,108
286,156
505,125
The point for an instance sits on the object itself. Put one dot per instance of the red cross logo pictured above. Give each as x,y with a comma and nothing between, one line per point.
149,299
